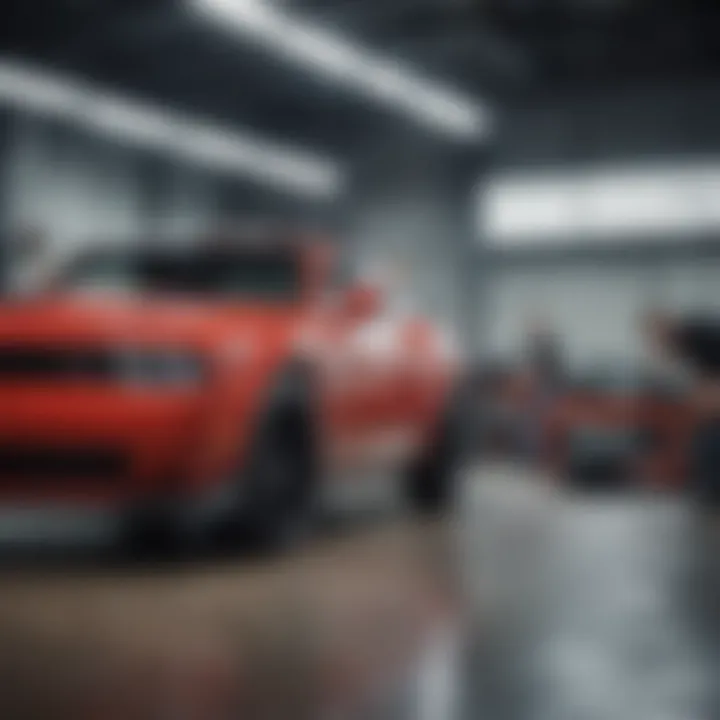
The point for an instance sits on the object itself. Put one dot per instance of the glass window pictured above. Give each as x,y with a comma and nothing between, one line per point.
257,274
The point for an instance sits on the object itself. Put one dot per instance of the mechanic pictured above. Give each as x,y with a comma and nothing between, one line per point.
694,341
544,359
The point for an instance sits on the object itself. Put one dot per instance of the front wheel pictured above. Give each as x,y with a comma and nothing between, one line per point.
276,486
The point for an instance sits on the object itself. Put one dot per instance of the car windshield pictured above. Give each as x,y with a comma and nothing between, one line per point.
270,275
622,379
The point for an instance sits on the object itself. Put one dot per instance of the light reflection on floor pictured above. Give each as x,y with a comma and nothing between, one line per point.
335,630
592,616
530,605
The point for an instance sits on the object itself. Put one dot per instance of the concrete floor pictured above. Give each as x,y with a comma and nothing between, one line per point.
609,626
331,631
530,605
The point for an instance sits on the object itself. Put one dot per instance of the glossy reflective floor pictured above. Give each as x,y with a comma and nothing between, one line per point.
531,604
334,630
618,611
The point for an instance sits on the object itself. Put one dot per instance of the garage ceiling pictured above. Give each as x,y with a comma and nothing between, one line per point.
495,50
497,47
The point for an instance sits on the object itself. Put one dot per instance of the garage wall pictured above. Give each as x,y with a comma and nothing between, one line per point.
691,284
594,309
410,223
77,189
71,188
592,297
595,306
401,241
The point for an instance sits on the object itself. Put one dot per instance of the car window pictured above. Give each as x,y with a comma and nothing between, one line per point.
265,275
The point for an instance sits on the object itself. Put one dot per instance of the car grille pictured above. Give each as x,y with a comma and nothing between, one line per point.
28,363
45,463
605,442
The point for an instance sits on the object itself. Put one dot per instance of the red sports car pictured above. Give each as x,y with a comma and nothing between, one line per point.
166,393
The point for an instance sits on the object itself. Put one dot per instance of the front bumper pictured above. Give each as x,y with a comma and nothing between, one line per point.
58,526
94,447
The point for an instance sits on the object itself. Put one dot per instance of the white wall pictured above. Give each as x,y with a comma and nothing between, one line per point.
595,308
398,241
408,223
77,189
657,127
692,284
72,189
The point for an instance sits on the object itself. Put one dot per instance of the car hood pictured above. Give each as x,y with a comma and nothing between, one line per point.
121,320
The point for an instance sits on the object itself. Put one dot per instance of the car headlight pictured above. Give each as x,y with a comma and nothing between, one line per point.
160,368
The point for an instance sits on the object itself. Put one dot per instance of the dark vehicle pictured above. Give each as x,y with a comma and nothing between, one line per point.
620,425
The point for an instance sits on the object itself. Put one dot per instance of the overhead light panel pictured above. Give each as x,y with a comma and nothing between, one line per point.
218,148
378,78
606,204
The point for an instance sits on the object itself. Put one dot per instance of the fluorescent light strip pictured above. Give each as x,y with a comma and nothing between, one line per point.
284,168
379,78
608,204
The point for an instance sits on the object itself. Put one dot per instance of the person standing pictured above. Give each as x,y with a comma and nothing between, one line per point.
693,342
545,367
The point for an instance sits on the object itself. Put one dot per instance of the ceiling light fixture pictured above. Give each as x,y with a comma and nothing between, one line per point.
237,152
603,203
378,78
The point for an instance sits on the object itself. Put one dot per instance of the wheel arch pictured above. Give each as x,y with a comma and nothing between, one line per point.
292,400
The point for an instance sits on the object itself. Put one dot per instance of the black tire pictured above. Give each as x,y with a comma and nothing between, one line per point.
157,533
599,475
275,488
431,482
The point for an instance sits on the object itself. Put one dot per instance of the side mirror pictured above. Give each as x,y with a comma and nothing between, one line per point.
362,302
